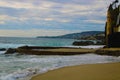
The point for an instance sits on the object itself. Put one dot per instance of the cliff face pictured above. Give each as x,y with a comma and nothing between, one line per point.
112,33
112,18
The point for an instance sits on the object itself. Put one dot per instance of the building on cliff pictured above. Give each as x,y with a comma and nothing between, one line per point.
112,28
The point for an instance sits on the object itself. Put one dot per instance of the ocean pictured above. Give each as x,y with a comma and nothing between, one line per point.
22,67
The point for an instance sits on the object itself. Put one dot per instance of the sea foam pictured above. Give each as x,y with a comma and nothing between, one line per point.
26,65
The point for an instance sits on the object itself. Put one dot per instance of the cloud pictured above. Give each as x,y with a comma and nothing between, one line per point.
2,22
53,8
53,14
95,21
34,32
4,18
43,5
17,5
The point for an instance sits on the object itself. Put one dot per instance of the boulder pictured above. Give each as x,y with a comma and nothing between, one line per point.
10,51
100,43
2,49
83,43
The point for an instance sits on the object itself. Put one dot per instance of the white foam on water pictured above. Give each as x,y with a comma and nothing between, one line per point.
12,45
2,52
15,67
93,46
89,46
42,64
20,74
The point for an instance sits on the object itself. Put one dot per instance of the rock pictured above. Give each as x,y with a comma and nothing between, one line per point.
108,51
100,43
24,47
2,49
10,51
83,43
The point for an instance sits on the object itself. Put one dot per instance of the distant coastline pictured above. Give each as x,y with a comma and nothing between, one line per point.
75,35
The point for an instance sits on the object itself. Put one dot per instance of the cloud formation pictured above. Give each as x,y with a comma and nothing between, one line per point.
33,32
53,14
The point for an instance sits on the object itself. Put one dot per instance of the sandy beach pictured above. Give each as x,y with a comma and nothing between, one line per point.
106,71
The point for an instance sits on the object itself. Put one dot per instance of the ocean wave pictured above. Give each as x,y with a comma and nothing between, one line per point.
27,73
88,47
20,74
2,52
12,45
32,65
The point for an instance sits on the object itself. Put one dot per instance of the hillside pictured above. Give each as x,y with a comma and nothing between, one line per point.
75,35
99,36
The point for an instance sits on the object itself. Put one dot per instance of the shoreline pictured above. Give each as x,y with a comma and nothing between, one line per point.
99,71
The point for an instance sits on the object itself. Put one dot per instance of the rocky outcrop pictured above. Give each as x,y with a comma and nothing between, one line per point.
108,51
100,36
63,51
10,51
83,43
2,49
37,50
100,43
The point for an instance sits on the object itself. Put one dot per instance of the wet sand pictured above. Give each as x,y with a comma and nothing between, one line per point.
106,71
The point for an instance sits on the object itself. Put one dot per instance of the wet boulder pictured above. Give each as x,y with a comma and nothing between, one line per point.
2,49
83,43
10,51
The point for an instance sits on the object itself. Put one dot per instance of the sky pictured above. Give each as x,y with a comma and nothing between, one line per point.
31,18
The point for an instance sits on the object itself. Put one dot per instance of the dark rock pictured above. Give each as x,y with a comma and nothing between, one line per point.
100,43
10,51
100,36
114,40
24,47
2,49
108,51
83,43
